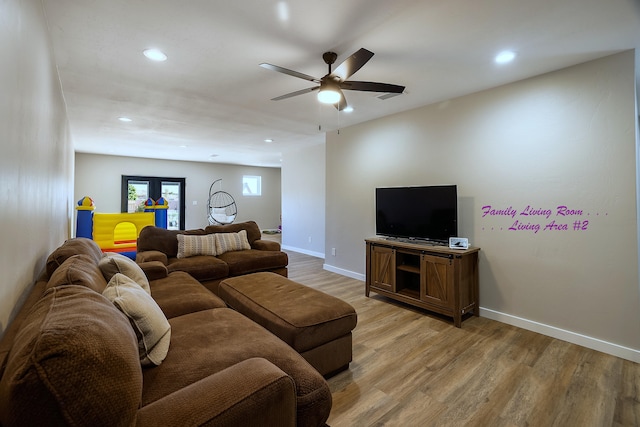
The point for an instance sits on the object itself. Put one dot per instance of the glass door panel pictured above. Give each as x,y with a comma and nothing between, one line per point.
137,194
171,192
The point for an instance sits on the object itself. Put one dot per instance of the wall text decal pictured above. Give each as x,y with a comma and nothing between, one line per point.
536,219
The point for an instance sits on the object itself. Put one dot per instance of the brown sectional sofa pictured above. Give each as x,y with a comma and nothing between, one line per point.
158,244
70,357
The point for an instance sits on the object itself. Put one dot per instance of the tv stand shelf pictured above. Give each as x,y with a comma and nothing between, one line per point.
432,277
409,268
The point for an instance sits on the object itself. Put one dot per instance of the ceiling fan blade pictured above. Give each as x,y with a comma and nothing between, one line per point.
290,72
352,64
342,104
296,93
371,87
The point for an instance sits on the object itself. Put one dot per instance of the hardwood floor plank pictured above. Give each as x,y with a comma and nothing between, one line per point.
372,405
413,368
416,409
627,410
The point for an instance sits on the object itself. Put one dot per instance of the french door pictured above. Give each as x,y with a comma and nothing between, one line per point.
137,189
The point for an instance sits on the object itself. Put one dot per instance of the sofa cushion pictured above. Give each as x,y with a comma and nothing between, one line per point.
13,328
77,246
179,294
251,227
253,392
207,342
159,239
201,267
73,362
113,262
80,270
229,242
253,260
149,323
196,245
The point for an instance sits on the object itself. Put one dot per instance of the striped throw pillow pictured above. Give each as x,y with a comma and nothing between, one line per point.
227,242
190,245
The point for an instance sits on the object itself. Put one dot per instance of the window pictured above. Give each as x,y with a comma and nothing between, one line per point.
251,185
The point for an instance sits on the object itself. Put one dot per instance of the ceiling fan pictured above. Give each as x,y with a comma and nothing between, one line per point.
331,85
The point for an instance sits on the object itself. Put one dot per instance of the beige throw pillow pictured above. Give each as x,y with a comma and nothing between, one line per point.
190,245
227,242
113,262
149,322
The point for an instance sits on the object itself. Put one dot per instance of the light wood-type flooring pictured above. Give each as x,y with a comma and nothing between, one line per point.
412,368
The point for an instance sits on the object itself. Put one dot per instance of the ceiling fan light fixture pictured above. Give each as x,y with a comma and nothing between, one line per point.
328,96
328,93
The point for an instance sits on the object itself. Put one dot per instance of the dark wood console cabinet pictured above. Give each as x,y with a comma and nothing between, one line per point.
432,277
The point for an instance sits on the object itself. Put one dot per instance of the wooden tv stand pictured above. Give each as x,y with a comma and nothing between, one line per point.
432,277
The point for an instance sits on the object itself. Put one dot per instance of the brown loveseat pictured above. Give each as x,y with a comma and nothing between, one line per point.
158,244
70,357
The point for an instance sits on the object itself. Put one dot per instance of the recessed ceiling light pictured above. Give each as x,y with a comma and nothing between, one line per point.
348,109
183,146
125,119
268,140
283,11
505,56
155,55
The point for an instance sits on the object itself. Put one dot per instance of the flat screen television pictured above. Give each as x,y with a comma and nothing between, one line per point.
424,213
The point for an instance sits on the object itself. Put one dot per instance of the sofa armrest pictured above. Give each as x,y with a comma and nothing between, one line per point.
252,392
266,245
154,270
146,256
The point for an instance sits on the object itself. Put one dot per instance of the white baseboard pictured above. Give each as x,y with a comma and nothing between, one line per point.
530,325
343,272
564,335
303,251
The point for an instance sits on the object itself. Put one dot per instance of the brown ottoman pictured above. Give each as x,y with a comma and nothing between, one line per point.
316,325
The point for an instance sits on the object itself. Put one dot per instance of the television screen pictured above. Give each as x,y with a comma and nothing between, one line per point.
427,212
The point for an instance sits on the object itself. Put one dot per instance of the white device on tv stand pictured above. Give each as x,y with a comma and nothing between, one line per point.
458,243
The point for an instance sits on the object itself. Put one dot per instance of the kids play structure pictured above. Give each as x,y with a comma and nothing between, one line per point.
118,232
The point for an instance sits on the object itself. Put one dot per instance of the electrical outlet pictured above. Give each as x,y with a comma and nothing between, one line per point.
195,202
309,239
333,251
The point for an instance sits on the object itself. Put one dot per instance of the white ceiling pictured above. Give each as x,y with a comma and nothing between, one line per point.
211,97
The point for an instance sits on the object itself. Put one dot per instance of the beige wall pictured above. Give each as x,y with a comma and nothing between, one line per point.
36,164
99,177
303,188
566,138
